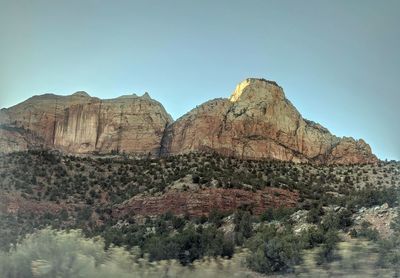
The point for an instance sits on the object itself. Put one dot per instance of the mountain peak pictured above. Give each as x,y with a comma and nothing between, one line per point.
146,95
257,122
81,94
251,88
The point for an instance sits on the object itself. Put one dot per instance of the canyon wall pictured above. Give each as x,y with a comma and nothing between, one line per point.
256,122
83,124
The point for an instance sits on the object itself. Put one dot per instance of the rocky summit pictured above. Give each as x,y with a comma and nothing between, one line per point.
83,124
256,122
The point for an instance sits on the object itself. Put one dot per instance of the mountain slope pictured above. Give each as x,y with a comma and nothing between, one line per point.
257,121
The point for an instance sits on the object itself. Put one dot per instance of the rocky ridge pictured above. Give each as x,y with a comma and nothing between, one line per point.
203,202
256,122
83,124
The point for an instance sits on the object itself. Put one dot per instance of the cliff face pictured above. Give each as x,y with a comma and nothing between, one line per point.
82,124
17,139
257,121
203,202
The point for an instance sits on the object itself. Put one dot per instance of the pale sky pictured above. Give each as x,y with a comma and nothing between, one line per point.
338,61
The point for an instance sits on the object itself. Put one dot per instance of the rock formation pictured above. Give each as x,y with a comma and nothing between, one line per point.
83,124
257,122
203,202
18,139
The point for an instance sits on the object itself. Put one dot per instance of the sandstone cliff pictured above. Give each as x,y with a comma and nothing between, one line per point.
257,121
83,124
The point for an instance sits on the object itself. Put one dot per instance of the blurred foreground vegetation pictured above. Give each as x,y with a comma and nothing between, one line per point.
50,253
320,237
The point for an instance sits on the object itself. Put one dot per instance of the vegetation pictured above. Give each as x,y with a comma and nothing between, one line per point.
49,175
51,253
79,195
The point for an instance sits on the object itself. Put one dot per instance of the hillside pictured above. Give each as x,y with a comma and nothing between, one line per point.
244,183
197,205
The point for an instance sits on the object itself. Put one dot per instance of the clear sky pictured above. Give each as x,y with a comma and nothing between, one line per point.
338,61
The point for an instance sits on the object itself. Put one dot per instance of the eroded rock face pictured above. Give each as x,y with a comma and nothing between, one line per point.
380,218
13,204
257,121
82,124
202,202
12,141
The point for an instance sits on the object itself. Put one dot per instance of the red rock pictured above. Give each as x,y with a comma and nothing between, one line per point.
83,124
256,122
259,122
202,202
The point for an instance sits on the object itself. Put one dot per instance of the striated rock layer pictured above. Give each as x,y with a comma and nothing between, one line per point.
202,202
83,124
257,121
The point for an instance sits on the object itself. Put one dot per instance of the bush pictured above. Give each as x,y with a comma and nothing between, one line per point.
243,226
389,253
345,219
366,231
50,253
330,221
326,254
371,196
189,245
276,214
312,237
215,217
195,179
273,250
314,214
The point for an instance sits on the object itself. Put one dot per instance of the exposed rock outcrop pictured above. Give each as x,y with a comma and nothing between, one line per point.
14,203
202,202
257,121
82,124
379,217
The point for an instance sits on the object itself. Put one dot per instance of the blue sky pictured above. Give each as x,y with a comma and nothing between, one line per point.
338,61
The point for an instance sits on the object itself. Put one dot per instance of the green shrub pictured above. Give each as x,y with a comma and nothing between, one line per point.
273,250
243,226
278,214
366,231
326,254
50,253
314,214
189,245
389,253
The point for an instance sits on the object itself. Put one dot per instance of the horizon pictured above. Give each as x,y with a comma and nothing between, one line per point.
337,62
